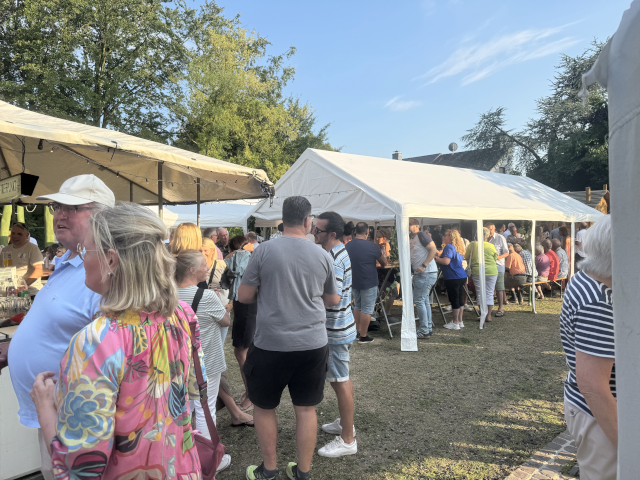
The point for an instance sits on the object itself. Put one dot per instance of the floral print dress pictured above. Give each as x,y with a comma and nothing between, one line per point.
122,399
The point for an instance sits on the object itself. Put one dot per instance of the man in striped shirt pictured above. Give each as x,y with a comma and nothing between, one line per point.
586,328
526,259
341,332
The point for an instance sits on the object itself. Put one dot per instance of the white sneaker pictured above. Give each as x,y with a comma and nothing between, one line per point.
452,326
469,309
334,428
461,324
447,308
337,448
224,463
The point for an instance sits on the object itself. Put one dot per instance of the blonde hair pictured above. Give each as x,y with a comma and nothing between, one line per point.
486,232
208,243
456,240
143,279
186,237
185,261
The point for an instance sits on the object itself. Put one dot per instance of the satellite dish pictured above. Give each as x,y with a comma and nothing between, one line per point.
453,147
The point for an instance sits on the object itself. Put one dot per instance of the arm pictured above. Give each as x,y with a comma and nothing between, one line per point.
34,272
383,260
431,252
593,374
331,299
247,294
443,260
226,320
504,255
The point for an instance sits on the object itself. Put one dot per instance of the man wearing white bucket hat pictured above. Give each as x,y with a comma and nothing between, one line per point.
64,305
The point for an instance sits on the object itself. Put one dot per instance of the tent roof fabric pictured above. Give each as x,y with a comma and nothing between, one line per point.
224,214
56,149
378,189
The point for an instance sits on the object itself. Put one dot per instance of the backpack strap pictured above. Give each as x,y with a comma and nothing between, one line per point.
196,300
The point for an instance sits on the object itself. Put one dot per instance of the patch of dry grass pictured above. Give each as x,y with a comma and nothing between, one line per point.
470,404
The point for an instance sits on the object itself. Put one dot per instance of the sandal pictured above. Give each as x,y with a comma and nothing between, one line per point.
248,423
499,314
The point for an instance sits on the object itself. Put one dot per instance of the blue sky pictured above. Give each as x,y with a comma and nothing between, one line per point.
414,75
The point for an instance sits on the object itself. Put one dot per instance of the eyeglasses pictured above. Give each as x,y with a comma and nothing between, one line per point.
68,210
82,251
317,230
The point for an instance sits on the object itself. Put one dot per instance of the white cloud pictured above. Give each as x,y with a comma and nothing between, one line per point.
480,60
396,104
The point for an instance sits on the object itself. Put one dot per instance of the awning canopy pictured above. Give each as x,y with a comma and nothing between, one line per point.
56,149
378,189
221,214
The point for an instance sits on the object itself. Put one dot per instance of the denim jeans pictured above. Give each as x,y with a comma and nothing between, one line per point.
422,283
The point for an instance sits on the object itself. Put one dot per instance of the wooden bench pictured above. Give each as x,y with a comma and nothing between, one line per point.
557,281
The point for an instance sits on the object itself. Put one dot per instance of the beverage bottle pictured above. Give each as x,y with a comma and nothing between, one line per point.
11,289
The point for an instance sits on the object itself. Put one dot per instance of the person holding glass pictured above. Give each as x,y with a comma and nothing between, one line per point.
490,268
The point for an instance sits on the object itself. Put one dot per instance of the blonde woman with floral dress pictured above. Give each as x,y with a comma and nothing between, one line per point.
120,409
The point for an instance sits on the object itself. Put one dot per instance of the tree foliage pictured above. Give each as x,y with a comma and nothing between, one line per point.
565,146
159,70
234,107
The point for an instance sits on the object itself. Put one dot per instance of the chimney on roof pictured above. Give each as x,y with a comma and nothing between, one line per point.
397,155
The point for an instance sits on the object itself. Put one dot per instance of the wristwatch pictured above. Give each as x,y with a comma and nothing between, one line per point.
423,265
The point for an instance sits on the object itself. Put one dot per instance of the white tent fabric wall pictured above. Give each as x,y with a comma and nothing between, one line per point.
219,214
618,69
381,190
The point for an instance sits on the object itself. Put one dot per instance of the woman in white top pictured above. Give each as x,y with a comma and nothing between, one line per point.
191,268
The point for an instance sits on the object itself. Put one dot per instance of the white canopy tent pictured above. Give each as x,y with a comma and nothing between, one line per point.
135,169
219,214
382,190
618,69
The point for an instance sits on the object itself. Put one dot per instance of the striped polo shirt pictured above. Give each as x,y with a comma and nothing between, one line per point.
341,327
586,324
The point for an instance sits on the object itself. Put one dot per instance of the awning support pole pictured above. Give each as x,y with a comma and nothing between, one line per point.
198,199
131,192
160,184
534,273
572,249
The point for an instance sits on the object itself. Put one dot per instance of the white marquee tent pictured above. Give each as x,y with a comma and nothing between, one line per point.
618,69
382,190
220,214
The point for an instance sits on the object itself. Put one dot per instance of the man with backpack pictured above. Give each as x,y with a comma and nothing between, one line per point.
425,273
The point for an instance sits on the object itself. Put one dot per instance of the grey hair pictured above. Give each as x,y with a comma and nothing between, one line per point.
295,210
221,229
597,247
555,243
517,247
539,249
252,235
143,279
486,232
187,260
547,244
207,232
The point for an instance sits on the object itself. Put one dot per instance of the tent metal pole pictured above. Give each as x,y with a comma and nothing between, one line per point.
131,192
534,274
160,192
198,199
572,250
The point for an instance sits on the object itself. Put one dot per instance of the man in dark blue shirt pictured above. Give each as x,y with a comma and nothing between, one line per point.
363,255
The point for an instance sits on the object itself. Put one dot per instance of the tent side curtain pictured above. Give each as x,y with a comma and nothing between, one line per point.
53,148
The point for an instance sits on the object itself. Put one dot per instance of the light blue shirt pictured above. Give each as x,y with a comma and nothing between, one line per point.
60,310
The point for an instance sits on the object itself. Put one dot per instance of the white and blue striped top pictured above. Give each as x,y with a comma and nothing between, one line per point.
341,327
586,324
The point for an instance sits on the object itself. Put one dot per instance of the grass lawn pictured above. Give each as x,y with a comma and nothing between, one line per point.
470,404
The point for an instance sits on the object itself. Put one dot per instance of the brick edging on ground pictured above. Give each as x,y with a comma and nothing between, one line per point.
547,463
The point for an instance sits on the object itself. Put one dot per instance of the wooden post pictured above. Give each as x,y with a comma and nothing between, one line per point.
198,199
160,185
605,187
588,194
5,225
49,235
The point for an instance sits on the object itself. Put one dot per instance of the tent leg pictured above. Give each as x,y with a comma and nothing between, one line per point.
198,199
572,262
131,192
532,290
481,287
160,192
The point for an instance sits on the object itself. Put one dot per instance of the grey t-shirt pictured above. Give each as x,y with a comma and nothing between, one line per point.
291,274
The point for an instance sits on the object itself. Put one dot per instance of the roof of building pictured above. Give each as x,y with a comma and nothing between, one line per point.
594,202
473,159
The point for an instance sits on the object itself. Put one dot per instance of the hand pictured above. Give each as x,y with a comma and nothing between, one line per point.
420,269
43,390
228,307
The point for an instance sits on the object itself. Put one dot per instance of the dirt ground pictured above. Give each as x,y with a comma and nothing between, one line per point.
470,404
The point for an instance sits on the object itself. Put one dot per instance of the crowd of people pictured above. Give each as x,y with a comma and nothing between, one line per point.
102,365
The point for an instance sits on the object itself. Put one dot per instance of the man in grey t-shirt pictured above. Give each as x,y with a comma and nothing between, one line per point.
292,280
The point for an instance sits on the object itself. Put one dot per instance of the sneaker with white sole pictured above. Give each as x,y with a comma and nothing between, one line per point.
461,324
337,448
452,326
224,463
447,308
469,309
334,428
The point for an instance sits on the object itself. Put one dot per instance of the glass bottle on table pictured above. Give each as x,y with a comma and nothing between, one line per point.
22,288
11,288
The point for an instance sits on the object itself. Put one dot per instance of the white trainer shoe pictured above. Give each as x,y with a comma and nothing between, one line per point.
224,463
452,326
334,428
337,448
469,308
447,308
461,324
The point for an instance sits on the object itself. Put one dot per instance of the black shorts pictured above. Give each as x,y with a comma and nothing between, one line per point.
455,291
244,324
268,373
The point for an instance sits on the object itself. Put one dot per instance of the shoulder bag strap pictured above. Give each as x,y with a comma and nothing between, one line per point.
213,271
196,300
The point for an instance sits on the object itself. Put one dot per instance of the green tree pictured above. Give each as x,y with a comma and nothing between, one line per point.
108,63
566,145
234,107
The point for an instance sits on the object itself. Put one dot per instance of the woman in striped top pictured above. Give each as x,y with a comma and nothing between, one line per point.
586,328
